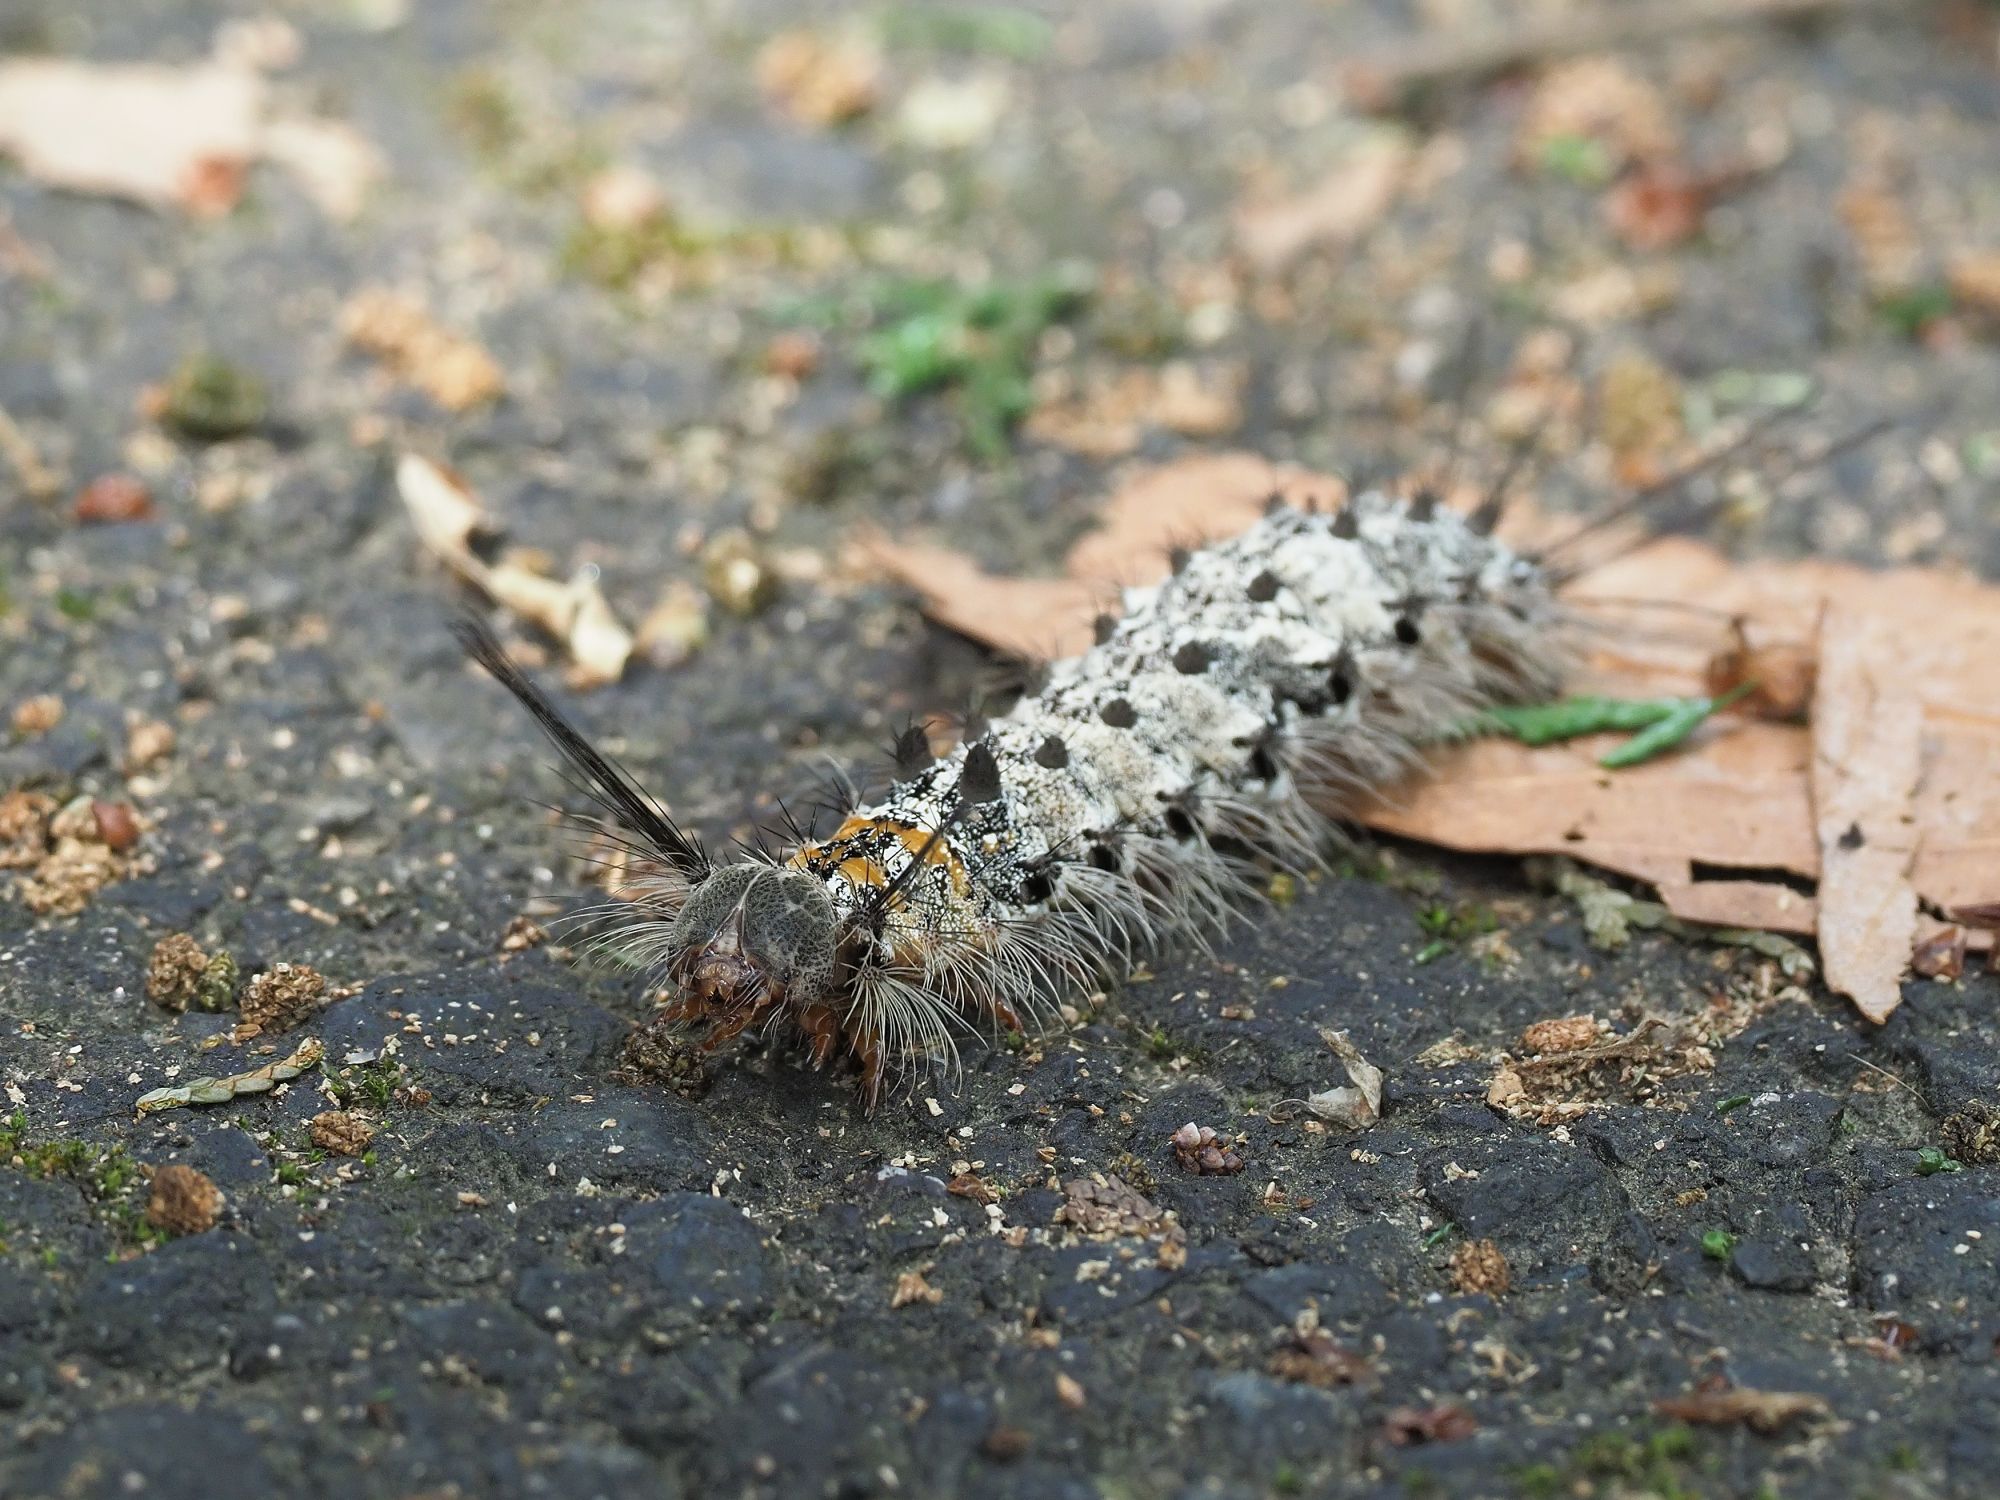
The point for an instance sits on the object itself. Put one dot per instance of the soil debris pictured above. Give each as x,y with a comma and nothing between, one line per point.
183,1201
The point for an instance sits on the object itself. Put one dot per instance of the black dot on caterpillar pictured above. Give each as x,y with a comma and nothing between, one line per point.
1223,723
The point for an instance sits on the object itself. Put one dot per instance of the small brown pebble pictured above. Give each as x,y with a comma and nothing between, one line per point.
1004,1444
37,715
149,742
1202,1151
341,1133
281,996
792,353
173,974
1942,956
112,498
117,825
1569,1034
1477,1266
183,1201
1070,1392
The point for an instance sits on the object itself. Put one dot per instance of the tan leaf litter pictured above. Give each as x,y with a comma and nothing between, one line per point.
172,137
1867,742
453,370
1739,798
1334,213
1731,1406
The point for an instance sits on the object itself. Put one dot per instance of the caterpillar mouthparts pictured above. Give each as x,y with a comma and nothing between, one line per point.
1217,731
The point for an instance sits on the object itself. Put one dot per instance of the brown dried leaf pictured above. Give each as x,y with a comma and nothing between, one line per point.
1598,99
454,371
818,80
1761,1411
1333,214
1313,1358
1658,205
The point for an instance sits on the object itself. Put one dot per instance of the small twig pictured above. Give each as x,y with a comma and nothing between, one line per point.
1886,1074
1483,51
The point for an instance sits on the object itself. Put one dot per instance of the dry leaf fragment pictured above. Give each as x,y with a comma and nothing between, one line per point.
1867,752
451,369
598,643
37,715
442,506
1659,205
911,1287
447,516
173,136
676,627
334,162
817,80
1765,1412
1333,214
1070,1392
972,1185
1313,1358
1359,1105
1781,675
163,136
1601,101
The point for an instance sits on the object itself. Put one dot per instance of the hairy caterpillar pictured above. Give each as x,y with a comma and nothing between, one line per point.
1216,730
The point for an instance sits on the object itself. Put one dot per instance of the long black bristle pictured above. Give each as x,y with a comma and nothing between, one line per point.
601,779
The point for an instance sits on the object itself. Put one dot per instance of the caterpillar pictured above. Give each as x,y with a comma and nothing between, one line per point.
1224,721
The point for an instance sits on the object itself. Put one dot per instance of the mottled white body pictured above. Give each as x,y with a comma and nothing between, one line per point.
1233,710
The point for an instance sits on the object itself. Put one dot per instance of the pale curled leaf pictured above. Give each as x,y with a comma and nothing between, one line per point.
221,1090
1358,1105
447,515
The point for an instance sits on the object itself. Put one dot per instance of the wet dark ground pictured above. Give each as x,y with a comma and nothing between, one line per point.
546,1280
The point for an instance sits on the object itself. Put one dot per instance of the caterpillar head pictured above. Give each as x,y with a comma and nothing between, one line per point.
749,938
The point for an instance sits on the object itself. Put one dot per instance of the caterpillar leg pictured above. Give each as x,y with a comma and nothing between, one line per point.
822,1028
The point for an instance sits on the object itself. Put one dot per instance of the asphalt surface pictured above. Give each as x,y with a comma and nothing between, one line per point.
566,1267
